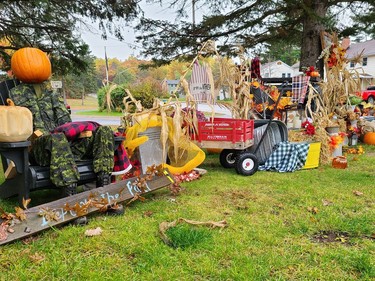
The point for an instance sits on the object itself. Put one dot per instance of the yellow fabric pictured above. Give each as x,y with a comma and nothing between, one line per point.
16,123
189,154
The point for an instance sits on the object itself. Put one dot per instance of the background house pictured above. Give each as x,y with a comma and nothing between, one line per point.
169,85
276,69
295,68
366,66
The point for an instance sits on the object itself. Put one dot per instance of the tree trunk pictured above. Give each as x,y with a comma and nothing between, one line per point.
311,46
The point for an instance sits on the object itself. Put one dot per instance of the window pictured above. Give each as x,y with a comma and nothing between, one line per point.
283,75
352,64
289,75
364,62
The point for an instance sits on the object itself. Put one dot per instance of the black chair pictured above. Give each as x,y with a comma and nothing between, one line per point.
28,177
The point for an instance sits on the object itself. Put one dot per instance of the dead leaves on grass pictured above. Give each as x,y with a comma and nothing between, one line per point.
357,193
93,232
331,236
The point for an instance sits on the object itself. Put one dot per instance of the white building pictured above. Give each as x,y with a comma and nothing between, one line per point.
276,69
366,66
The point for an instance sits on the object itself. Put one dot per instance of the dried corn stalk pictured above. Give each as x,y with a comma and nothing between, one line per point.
331,103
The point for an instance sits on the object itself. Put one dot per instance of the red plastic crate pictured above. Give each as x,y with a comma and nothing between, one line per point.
225,129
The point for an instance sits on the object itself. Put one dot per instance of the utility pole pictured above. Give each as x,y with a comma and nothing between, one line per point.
193,11
106,64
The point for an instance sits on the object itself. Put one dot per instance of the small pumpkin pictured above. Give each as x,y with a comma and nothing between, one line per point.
369,138
31,65
314,74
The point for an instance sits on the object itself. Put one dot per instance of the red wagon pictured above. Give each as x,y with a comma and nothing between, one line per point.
234,136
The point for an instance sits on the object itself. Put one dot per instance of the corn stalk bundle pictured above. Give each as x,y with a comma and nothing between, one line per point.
331,104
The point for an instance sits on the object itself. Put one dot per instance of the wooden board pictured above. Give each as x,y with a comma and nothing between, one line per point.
114,193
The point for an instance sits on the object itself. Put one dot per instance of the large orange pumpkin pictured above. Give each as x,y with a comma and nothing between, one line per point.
31,65
369,138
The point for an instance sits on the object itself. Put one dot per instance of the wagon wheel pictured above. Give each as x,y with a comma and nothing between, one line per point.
228,158
246,164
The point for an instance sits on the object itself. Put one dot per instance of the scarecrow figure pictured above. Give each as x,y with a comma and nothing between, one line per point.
59,145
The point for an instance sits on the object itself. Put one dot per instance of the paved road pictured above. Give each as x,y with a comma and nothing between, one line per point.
103,120
115,120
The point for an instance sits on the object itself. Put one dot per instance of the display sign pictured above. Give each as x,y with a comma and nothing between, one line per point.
56,84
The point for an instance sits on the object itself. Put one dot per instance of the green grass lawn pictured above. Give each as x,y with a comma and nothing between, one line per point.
89,107
305,225
88,103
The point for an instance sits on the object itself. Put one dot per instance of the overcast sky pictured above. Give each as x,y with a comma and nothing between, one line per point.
123,49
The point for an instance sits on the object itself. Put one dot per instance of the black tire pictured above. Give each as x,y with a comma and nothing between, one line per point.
228,158
371,100
246,164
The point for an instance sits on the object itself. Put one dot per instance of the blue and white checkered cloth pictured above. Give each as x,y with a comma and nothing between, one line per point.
286,157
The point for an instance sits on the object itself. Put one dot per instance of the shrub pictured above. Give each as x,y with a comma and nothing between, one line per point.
145,92
117,96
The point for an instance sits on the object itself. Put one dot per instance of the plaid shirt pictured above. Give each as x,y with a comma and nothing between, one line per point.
122,163
72,129
287,157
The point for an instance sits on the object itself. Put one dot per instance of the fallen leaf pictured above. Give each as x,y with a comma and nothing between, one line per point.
357,193
327,202
20,213
37,258
148,213
25,203
93,232
341,239
3,232
30,240
137,196
313,210
280,206
312,219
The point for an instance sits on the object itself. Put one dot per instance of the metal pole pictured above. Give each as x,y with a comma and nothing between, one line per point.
193,11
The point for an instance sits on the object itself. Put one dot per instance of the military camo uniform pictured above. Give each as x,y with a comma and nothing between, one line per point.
55,150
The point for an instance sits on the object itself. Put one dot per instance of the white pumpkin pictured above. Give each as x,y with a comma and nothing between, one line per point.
16,123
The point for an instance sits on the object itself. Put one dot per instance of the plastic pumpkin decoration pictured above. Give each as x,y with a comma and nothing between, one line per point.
369,138
31,65
314,74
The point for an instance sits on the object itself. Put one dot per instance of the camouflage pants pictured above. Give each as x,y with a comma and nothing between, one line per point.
55,151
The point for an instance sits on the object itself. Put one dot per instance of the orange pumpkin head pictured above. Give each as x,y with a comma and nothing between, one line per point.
31,65
369,138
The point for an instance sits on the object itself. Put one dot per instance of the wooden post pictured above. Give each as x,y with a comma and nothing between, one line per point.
57,212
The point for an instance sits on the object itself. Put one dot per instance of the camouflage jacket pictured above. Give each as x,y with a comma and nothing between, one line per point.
48,110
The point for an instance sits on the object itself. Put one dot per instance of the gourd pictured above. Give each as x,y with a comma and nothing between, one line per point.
16,123
31,65
314,74
369,138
